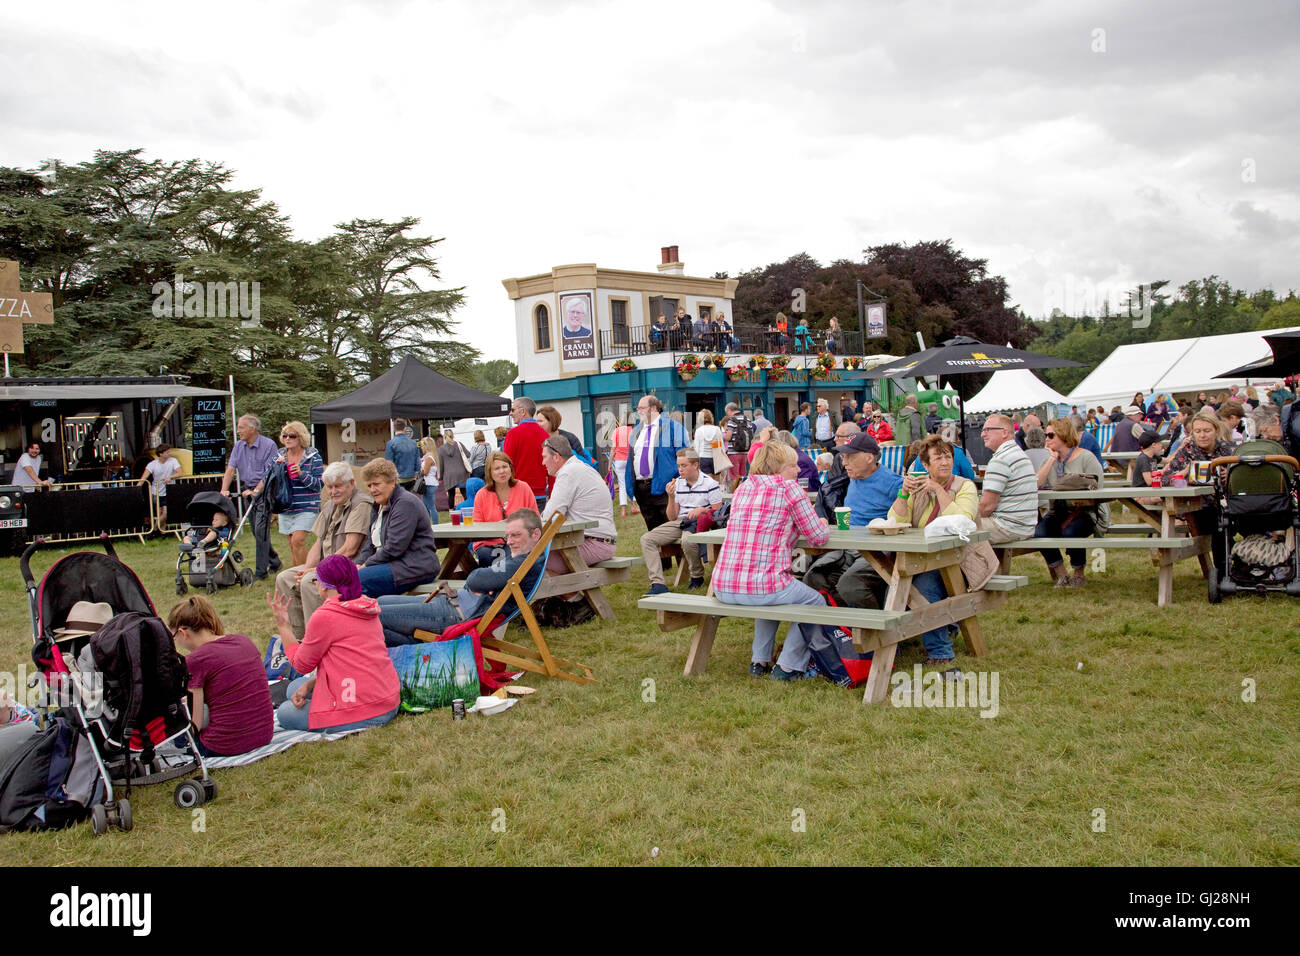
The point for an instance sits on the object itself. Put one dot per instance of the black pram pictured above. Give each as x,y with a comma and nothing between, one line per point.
215,565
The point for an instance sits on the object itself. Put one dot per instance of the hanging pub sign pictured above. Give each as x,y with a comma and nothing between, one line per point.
875,321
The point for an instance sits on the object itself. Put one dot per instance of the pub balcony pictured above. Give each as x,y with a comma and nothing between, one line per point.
651,348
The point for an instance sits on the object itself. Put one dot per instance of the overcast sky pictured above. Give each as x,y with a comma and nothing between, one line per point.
1079,148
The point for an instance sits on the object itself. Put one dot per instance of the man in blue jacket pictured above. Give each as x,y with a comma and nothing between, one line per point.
403,452
652,459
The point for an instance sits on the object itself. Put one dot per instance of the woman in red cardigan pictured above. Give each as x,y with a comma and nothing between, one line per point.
503,495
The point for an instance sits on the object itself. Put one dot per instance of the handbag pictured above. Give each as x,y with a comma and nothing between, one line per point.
464,456
721,460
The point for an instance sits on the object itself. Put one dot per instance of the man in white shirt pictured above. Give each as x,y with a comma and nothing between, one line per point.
27,473
1008,507
581,495
823,426
161,471
690,495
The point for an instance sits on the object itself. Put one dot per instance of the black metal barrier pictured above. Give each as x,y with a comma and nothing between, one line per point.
180,491
83,511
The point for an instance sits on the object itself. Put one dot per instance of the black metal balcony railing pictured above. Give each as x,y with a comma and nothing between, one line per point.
628,341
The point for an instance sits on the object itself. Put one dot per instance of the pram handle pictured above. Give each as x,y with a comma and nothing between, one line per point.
24,564
1254,459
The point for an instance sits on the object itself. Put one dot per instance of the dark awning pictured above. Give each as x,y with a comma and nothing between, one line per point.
410,389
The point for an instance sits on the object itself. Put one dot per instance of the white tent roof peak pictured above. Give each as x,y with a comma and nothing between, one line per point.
1012,389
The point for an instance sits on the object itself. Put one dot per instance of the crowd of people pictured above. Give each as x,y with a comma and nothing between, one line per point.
357,548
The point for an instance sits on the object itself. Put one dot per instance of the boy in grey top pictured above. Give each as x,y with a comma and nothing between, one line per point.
1009,503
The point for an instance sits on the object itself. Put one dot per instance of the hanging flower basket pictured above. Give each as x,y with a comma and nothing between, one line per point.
624,365
689,366
780,361
826,361
758,361
777,373
852,362
737,372
715,361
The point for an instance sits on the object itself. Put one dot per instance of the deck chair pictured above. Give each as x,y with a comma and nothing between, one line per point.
537,659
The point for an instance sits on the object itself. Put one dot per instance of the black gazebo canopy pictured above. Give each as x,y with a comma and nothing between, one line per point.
412,390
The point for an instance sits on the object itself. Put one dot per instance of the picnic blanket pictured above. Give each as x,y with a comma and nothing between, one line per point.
281,740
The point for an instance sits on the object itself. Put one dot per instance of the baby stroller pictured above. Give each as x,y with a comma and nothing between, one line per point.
123,688
1256,496
214,566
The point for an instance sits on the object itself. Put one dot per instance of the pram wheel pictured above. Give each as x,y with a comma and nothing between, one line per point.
246,577
99,819
189,794
181,587
124,819
209,789
237,557
212,587
1212,584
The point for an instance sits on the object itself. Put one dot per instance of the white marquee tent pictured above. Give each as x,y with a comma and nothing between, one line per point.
1173,367
1011,390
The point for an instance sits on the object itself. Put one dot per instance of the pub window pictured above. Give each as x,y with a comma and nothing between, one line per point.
618,320
542,329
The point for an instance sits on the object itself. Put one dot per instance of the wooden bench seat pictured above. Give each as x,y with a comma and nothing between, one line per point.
693,605
1006,582
618,563
1118,541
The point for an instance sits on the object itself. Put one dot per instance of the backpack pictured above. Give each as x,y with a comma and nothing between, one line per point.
834,654
143,677
50,782
742,434
275,487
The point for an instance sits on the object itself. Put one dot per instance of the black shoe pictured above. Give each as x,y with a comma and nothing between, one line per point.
759,670
275,565
695,583
656,589
259,576
666,563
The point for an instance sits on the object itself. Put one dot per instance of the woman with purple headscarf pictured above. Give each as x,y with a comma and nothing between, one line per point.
355,685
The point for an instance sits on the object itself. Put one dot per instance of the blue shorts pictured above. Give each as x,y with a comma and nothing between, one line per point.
292,521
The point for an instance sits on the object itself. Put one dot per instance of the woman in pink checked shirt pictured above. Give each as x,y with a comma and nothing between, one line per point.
768,515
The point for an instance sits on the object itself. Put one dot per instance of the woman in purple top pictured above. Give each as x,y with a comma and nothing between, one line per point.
231,698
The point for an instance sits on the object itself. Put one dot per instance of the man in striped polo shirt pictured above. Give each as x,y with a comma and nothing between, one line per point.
690,495
1009,503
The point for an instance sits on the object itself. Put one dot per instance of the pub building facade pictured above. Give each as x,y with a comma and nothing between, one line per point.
576,323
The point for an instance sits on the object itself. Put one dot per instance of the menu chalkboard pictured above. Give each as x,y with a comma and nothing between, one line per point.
209,442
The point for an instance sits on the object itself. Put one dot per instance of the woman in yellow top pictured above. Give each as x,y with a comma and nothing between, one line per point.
922,499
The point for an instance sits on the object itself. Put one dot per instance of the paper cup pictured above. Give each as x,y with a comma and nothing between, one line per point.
842,518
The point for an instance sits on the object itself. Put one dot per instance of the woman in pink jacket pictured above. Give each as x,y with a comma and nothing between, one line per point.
355,685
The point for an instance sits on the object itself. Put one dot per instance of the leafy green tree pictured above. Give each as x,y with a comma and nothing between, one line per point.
494,375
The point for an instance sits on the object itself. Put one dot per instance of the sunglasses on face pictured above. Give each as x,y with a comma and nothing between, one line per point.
1051,435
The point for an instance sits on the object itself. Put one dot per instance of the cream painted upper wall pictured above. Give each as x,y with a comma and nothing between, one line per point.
635,287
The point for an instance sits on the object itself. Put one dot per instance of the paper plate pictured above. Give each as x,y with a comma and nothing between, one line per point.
491,705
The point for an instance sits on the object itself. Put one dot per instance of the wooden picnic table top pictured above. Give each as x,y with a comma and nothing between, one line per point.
1120,455
1126,492
913,541
494,529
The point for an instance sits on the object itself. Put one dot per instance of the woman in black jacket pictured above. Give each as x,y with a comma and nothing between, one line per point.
405,554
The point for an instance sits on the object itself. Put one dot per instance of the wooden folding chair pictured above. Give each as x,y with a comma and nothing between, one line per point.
537,659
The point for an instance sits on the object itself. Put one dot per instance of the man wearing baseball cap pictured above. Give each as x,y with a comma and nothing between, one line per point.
1129,430
872,492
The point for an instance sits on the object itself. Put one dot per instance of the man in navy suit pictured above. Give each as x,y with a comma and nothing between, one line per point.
652,459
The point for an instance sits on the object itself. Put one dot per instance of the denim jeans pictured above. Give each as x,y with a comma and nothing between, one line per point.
938,642
431,501
377,580
295,718
1065,525
401,614
795,654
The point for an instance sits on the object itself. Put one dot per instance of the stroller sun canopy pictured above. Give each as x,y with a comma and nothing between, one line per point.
205,504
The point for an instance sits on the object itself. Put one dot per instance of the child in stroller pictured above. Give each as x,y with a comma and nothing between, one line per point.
1256,498
207,557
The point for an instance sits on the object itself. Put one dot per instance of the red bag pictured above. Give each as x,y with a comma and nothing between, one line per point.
489,678
834,653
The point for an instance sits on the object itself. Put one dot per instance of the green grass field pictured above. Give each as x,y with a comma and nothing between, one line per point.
1153,733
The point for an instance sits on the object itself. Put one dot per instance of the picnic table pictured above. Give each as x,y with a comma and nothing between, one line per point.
459,561
1171,544
906,613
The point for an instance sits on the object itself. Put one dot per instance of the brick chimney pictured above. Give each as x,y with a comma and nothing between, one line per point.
669,263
